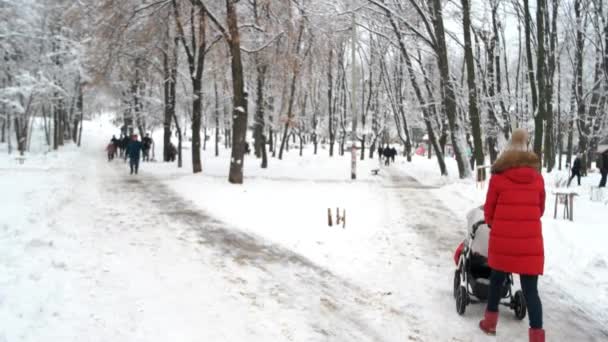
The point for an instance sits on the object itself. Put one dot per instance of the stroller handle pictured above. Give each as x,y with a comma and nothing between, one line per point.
476,226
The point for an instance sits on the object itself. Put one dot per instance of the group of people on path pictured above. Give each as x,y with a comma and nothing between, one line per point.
131,149
602,165
388,153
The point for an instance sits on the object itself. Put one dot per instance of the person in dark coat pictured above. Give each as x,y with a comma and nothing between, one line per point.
134,149
387,156
380,152
393,154
115,143
124,142
576,170
602,164
247,148
146,146
514,205
172,152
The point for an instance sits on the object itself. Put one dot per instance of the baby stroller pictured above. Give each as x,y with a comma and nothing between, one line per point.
472,275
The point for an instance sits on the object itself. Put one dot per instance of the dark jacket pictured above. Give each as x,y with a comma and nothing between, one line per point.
134,150
514,205
147,142
603,161
576,166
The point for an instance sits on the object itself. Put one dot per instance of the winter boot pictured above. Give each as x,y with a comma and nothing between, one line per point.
536,335
488,324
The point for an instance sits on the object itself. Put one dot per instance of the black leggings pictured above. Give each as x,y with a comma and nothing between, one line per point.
575,174
529,285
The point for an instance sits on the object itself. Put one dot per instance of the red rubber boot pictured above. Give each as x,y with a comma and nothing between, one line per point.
488,324
536,335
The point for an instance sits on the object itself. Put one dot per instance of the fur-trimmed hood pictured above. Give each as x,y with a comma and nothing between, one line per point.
514,159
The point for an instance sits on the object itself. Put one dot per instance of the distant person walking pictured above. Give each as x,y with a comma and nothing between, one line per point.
387,155
576,170
393,154
603,166
134,150
111,150
146,147
123,142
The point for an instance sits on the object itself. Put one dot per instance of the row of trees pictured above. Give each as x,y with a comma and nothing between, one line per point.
40,73
461,73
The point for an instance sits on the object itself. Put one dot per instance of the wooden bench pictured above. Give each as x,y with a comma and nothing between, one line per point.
20,159
567,199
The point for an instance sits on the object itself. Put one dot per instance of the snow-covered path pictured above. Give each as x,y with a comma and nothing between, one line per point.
113,257
103,256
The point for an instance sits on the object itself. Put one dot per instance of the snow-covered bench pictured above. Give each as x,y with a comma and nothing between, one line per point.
20,159
375,172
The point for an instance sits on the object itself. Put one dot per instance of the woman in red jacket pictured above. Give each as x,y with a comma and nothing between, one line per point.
514,205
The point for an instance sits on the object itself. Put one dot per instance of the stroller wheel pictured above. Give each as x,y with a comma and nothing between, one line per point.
518,304
462,299
456,282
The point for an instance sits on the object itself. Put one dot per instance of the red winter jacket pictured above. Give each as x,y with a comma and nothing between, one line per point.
514,205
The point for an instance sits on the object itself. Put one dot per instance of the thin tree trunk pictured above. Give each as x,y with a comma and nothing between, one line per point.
80,112
47,133
55,128
292,90
330,107
449,97
239,130
473,108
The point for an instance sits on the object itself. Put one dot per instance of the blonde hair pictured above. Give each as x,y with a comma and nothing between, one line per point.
519,141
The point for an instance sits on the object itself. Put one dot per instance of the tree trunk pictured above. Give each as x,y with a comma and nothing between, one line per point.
47,133
179,140
9,140
80,113
292,90
55,128
449,97
168,114
239,130
260,108
196,126
3,133
506,128
330,101
530,61
579,59
541,77
549,131
217,119
473,108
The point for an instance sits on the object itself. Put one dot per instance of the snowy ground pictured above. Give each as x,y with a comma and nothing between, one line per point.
88,252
